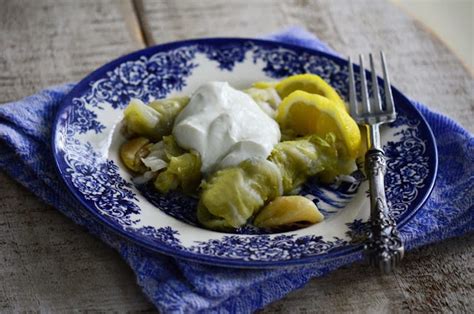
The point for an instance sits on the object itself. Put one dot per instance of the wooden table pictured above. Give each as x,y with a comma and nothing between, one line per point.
49,264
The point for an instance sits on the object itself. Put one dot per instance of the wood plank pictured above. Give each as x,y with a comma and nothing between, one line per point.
47,263
175,20
436,278
48,42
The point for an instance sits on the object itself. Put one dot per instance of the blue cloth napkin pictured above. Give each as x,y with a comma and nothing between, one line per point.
177,286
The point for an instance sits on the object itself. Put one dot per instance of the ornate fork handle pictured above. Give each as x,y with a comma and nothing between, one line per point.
384,246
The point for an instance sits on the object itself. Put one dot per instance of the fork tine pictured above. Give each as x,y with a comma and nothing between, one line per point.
387,87
352,92
377,104
363,86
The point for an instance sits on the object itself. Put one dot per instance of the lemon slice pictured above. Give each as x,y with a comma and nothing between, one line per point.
264,84
306,114
310,83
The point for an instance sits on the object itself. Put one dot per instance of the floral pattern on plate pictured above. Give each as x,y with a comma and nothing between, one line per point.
84,124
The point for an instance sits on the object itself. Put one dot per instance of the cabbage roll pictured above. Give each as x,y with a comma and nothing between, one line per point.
172,166
183,171
171,148
302,158
154,120
233,195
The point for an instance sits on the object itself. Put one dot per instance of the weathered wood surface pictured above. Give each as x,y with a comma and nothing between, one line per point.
49,264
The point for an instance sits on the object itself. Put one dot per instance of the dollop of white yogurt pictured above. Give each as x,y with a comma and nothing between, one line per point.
226,127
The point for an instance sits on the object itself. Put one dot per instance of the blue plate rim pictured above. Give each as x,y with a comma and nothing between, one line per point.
157,247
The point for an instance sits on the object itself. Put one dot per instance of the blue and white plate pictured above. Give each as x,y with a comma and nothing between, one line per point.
87,136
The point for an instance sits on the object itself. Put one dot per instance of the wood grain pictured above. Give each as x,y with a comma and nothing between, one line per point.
175,20
49,264
434,279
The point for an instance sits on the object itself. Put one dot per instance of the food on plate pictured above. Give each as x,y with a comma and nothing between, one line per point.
244,153
182,171
169,164
265,96
225,126
309,83
233,195
302,158
155,119
288,211
306,113
132,152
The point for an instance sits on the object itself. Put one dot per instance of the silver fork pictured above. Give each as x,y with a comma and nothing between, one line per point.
384,246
